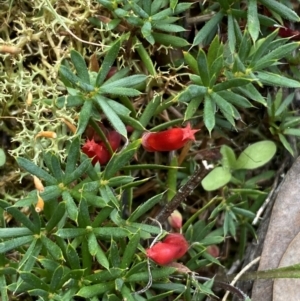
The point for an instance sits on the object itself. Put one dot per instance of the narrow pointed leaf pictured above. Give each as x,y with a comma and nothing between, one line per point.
209,113
35,170
208,28
120,159
142,209
252,20
203,68
272,79
108,62
111,115
84,117
80,66
73,156
281,9
15,243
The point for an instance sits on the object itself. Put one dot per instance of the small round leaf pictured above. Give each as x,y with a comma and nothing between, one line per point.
217,178
2,157
256,155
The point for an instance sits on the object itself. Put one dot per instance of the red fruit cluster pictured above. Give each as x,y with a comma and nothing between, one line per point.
173,247
168,140
98,151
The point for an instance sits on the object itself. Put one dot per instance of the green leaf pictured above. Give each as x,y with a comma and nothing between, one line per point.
245,47
256,155
156,5
214,52
286,144
252,93
215,70
142,209
66,73
73,257
68,233
159,273
145,57
274,56
147,32
231,33
191,62
80,66
130,251
55,283
292,132
128,81
208,28
111,115
103,276
78,172
203,68
261,47
71,207
216,179
84,116
83,218
244,212
20,217
273,79
252,20
51,192
281,9
73,156
96,289
169,40
284,105
235,99
108,62
225,106
56,167
120,91
96,251
15,243
35,170
111,232
228,157
231,83
53,249
168,27
34,281
209,113
192,108
2,157
14,232
192,91
120,159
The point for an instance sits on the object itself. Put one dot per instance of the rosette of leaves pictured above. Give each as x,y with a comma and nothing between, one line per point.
80,245
232,12
223,81
282,120
93,92
152,20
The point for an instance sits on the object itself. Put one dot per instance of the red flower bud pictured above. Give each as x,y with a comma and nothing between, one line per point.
175,219
97,151
173,247
114,139
213,250
168,140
